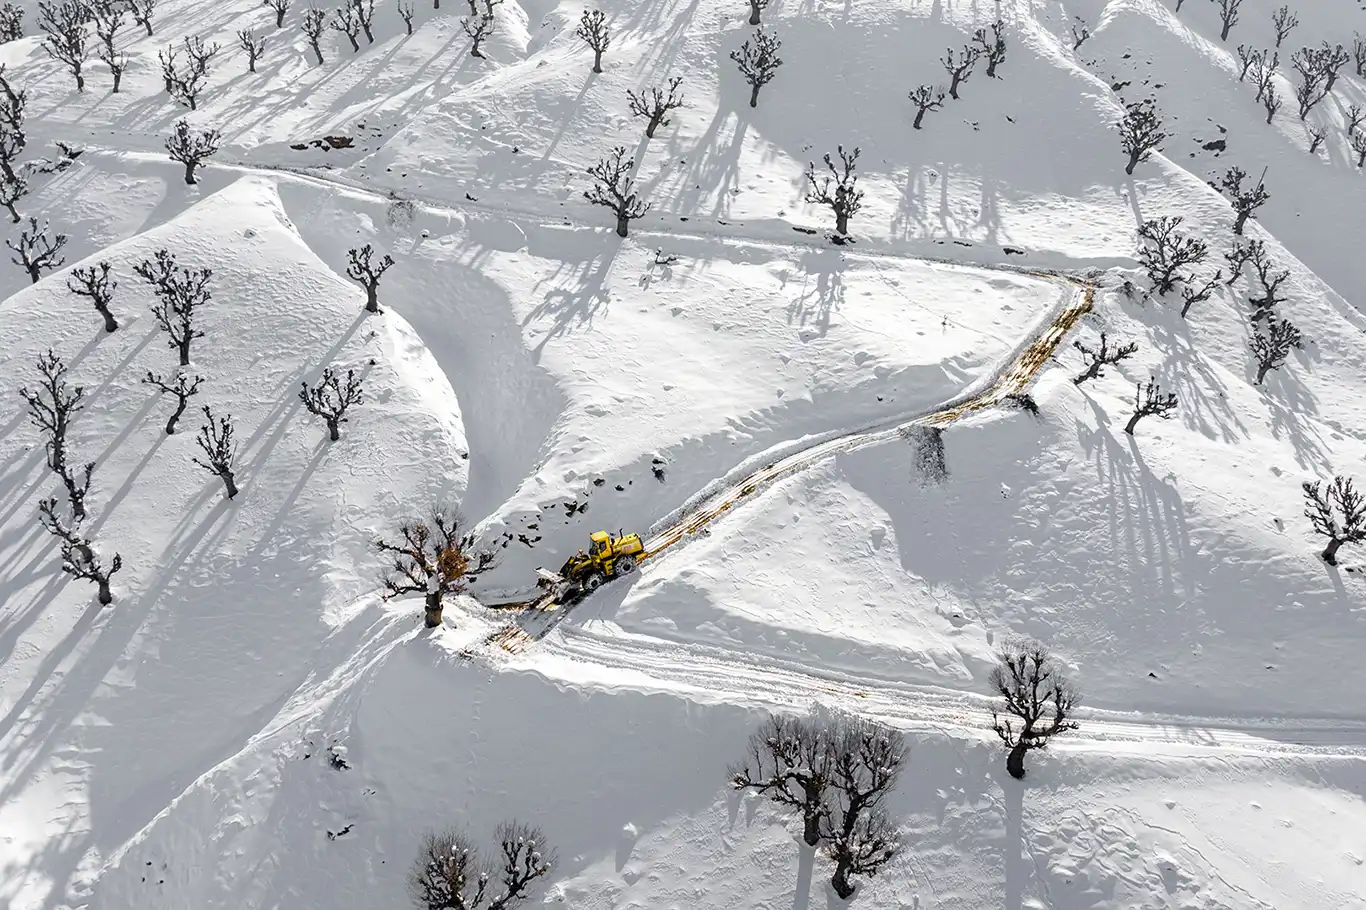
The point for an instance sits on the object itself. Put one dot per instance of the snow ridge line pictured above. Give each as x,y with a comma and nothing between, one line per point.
1014,374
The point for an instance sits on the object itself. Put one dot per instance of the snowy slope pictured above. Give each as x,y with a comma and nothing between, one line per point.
174,749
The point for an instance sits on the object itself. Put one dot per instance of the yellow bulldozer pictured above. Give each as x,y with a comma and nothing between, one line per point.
583,573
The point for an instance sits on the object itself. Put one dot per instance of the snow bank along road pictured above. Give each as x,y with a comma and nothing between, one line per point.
1011,377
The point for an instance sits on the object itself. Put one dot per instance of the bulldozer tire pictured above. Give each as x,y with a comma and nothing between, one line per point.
625,566
592,581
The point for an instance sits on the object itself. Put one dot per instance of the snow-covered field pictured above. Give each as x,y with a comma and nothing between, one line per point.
249,725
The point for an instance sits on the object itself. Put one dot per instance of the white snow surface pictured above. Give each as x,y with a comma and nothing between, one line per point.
249,725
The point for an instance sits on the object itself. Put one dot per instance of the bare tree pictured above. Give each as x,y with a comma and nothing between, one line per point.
1248,57
79,557
181,386
109,20
1338,513
1271,100
864,769
993,48
280,7
845,199
1283,20
12,189
362,267
925,98
1228,15
94,282
143,11
1150,399
1241,254
11,23
405,11
1245,200
331,398
314,21
180,293
593,32
216,442
1310,90
13,137
1165,251
756,7
478,30
254,45
1332,59
1140,132
1037,694
1317,135
1192,295
344,20
50,408
432,557
1079,32
1264,72
187,85
959,68
449,874
64,36
191,147
654,105
36,251
1354,118
365,15
1359,54
758,62
1359,147
614,188
789,762
1097,359
1272,345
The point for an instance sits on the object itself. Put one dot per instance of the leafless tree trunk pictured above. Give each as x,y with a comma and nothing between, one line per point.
1272,344
1228,15
1283,20
477,30
1079,33
191,148
1150,399
36,251
1264,307
143,11
593,31
435,558
365,15
313,23
344,20
216,442
79,557
11,23
866,764
654,105
614,188
758,62
1337,512
330,399
845,199
1035,692
362,267
1245,201
1316,137
181,386
789,762
755,8
993,48
64,36
925,98
254,45
94,282
450,875
108,21
1165,251
1191,296
405,11
959,68
1097,359
50,408
280,7
1140,132
12,189
180,294
13,138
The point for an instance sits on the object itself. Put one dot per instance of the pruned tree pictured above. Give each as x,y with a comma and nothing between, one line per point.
191,147
51,406
64,36
865,767
1037,694
79,557
1271,100
1359,54
109,20
450,875
1355,116
1337,512
13,137
758,62
1264,72
279,7
993,48
1150,399
1165,251
94,283
593,32
1311,88
1247,58
12,189
755,8
1359,147
405,12
839,191
1271,279
1191,295
362,266
36,251
1332,59
143,11
1097,359
1079,32
789,762
959,68
1245,200
614,188
1140,132
1283,20
181,386
314,21
1317,135
345,20
220,451
432,557
180,293
331,398
1271,346
1228,15
253,44
925,98
653,105
365,16
11,23
477,30
185,86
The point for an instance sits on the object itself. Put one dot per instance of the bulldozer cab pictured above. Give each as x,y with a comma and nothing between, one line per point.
601,544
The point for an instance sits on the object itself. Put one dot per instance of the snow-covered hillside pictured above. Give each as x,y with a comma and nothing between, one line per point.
250,725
